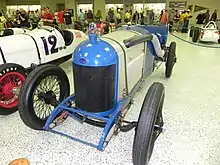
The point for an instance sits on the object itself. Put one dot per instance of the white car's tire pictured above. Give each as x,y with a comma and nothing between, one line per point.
191,31
195,35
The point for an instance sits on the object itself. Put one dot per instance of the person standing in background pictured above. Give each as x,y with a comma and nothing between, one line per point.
98,16
142,16
176,20
47,17
151,16
111,16
23,18
68,18
214,16
181,21
164,19
118,16
61,21
127,16
37,14
2,22
186,21
171,19
90,16
207,16
9,14
81,16
85,14
135,17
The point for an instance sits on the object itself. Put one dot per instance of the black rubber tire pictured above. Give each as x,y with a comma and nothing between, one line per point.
191,31
150,113
6,68
26,109
195,35
171,60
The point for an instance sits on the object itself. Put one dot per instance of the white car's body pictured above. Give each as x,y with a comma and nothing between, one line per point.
209,33
39,46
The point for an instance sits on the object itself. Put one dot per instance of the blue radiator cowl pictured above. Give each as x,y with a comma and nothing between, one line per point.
95,52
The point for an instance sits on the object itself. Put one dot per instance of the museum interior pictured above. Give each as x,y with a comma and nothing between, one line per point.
109,82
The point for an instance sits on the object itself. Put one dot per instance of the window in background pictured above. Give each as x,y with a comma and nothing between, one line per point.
25,7
84,7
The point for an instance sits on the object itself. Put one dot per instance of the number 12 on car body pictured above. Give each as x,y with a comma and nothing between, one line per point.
52,40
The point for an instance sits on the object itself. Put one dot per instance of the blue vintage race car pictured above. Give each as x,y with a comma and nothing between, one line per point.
108,71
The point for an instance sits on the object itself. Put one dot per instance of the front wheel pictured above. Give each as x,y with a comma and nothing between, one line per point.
12,77
44,88
149,125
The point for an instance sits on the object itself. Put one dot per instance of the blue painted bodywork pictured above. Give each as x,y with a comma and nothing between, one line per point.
160,29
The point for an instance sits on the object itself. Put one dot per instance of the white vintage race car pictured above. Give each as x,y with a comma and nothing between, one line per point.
209,33
21,53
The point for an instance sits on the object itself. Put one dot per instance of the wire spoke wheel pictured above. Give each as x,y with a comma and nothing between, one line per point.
12,77
8,83
43,90
50,88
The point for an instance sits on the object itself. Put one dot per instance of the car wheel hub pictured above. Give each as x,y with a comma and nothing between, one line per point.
7,89
48,97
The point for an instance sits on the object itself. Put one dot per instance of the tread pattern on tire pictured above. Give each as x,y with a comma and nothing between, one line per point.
195,35
170,60
191,31
147,118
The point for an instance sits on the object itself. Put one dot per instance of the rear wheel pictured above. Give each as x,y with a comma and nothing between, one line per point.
191,31
43,89
171,60
195,35
149,125
12,77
